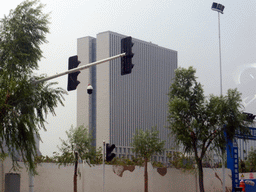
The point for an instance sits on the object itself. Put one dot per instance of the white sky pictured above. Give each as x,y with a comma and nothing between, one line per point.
189,27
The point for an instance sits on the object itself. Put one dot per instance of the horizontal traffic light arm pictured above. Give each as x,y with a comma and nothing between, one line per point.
80,68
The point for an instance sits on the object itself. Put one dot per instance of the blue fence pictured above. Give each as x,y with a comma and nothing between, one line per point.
233,160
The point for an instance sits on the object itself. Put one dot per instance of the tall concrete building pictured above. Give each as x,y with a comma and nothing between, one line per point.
121,104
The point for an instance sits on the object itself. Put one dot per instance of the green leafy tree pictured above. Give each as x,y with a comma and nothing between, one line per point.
198,122
180,161
250,164
44,159
145,144
78,145
24,104
242,167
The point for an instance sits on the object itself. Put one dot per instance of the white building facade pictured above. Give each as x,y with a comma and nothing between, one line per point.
121,104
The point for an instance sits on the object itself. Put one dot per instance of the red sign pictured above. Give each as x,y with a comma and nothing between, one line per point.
251,176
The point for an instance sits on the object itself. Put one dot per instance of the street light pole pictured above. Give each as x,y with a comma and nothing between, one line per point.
219,8
104,148
220,56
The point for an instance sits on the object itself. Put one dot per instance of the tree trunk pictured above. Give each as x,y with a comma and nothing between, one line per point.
201,175
146,175
75,173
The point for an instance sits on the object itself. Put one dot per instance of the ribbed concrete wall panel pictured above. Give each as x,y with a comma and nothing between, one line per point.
102,82
84,52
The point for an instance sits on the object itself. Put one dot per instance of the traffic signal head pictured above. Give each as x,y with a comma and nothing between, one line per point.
72,77
126,61
249,116
109,154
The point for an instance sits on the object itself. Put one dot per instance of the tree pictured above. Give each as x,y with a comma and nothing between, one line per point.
24,104
198,122
78,144
145,144
249,165
179,160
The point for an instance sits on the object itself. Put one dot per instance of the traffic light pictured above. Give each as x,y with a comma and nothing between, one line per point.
72,77
126,61
109,154
249,116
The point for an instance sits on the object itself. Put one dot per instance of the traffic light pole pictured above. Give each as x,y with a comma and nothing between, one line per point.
80,68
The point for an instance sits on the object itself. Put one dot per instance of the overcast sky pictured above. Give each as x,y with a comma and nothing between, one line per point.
189,27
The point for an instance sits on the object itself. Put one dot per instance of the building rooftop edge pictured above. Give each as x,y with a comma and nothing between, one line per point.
112,32
90,37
